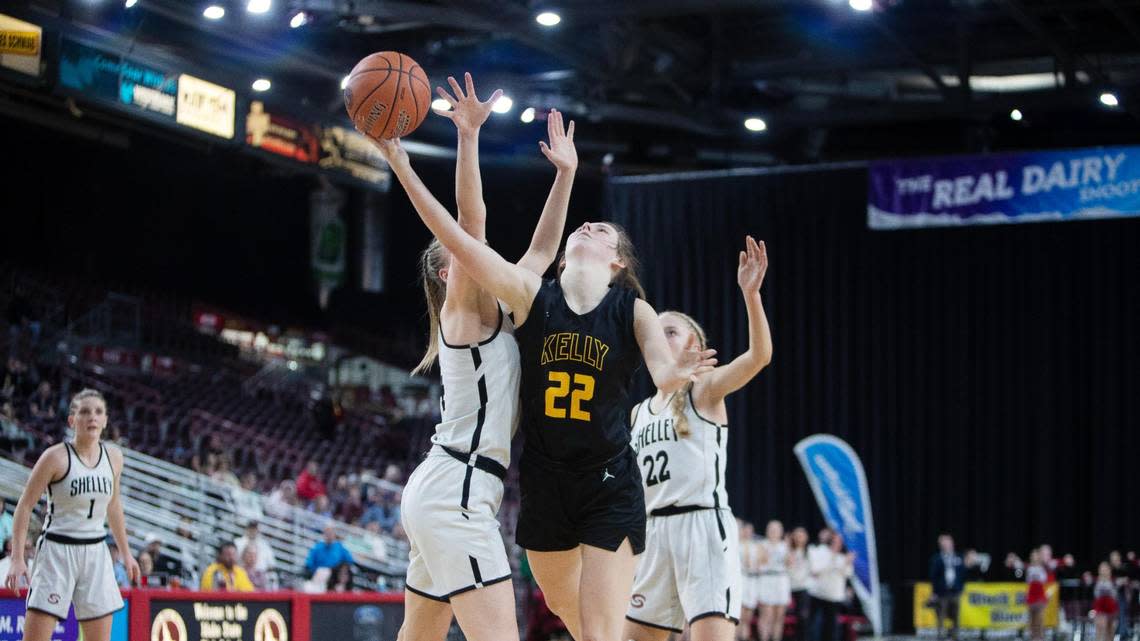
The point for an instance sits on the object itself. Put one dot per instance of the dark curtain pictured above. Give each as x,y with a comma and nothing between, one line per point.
989,377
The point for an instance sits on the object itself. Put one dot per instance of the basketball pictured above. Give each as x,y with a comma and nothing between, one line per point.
387,95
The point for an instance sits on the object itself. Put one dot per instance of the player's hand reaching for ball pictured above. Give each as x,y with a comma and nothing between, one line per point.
560,151
694,362
467,111
392,151
753,265
18,570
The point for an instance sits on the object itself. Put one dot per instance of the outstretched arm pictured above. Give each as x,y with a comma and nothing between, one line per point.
468,114
548,233
668,374
509,283
726,379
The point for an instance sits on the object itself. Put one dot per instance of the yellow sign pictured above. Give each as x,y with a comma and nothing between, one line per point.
22,43
986,606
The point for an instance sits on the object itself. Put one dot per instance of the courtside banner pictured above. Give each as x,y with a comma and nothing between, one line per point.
1042,186
13,614
840,486
987,606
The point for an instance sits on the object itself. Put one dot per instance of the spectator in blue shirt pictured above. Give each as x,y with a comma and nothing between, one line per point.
386,512
327,553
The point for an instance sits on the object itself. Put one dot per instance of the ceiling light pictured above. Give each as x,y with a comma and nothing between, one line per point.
755,124
1015,115
130,3
1109,99
258,6
861,5
503,105
344,82
439,104
214,12
548,18
527,115
261,84
299,19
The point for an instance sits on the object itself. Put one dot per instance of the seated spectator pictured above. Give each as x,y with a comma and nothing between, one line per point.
164,564
249,561
223,474
341,578
282,500
353,507
15,381
5,522
393,474
17,438
146,566
327,553
225,574
322,507
247,501
309,484
42,405
367,544
121,577
386,512
266,559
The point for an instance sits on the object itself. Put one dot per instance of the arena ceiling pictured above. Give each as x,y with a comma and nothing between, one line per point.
669,83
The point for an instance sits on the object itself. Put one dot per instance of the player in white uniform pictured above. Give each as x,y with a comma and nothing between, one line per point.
690,572
749,580
775,589
458,563
72,564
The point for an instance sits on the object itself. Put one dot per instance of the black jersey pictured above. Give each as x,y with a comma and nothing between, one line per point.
576,375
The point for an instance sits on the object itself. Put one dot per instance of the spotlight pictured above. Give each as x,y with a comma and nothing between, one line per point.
1015,115
439,104
299,19
344,82
1109,99
755,124
861,5
503,105
214,12
527,115
548,18
130,3
261,84
258,6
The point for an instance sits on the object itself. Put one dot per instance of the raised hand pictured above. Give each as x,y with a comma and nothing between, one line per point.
753,265
560,151
391,150
467,111
694,362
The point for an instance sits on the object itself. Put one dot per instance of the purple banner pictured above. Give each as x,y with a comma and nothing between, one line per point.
1007,188
12,613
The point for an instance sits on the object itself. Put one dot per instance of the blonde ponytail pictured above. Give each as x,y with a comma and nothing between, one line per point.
677,404
435,291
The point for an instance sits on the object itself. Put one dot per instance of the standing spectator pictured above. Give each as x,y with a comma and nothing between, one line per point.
1036,576
42,405
327,553
799,571
1121,576
309,484
22,319
947,578
1013,569
225,574
830,569
1105,603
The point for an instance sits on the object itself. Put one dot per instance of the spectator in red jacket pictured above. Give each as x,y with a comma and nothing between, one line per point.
309,485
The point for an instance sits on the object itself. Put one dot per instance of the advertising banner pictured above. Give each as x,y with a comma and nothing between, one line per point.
1035,186
21,45
840,486
281,135
117,81
206,107
355,621
219,620
348,152
13,613
987,606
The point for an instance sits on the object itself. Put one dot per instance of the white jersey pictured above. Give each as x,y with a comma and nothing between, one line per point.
680,471
777,557
480,404
77,503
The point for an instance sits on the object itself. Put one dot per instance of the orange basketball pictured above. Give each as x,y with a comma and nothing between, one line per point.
387,95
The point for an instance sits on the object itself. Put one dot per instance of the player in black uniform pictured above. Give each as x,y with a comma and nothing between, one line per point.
581,337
